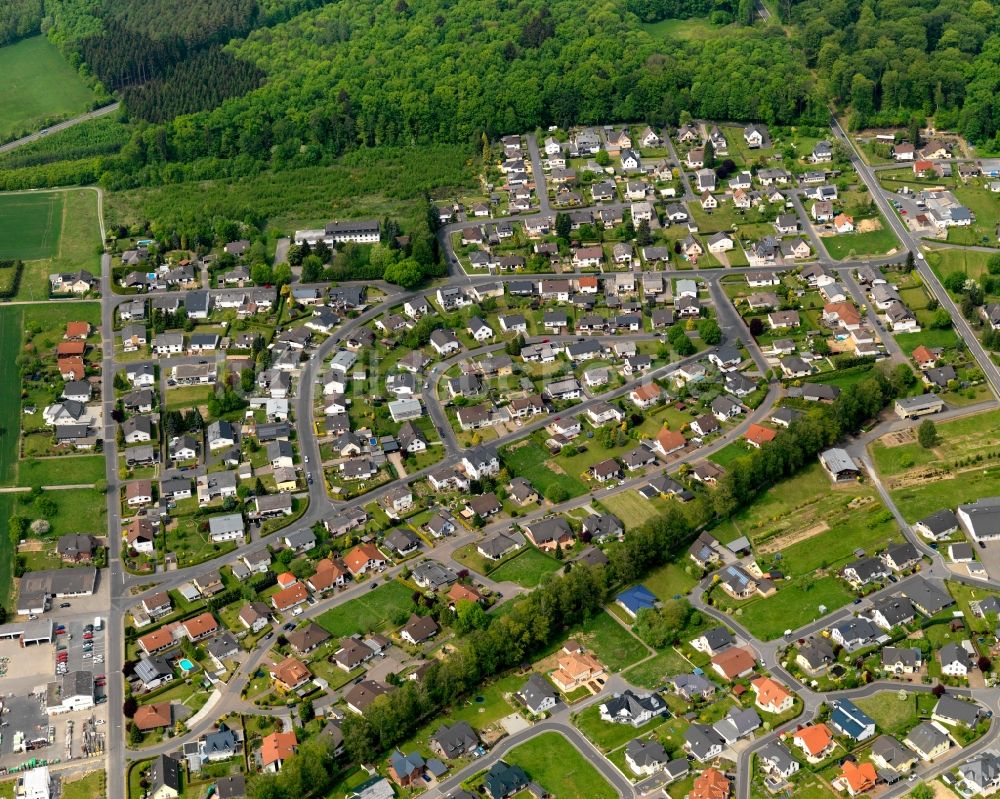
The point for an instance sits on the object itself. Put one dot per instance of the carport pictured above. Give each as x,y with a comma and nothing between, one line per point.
30,632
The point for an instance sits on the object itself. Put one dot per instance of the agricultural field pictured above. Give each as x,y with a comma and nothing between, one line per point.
529,568
375,610
965,466
39,87
557,766
30,225
51,232
633,509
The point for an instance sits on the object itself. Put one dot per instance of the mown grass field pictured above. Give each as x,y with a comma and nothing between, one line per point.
969,262
613,645
30,225
876,242
892,715
376,610
557,766
38,85
653,673
530,568
797,603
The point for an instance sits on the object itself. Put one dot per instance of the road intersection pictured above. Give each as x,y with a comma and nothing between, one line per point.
128,589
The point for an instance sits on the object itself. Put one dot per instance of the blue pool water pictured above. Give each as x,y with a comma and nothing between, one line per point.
186,664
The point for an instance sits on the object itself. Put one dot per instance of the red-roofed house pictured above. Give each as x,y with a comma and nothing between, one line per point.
276,748
924,357
289,598
364,558
758,435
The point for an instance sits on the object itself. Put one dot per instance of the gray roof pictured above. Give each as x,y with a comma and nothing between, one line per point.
929,599
535,691
777,755
948,707
925,736
645,753
838,460
891,750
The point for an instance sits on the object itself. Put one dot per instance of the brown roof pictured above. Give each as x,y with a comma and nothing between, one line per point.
290,672
77,329
200,625
150,717
734,662
72,366
289,597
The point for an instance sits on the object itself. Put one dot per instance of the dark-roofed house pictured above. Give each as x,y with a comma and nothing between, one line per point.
454,741
630,708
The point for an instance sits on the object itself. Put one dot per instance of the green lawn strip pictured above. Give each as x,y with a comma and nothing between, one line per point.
10,381
550,760
379,609
964,595
933,339
528,568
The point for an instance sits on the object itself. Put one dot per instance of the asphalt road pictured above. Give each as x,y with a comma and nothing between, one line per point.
100,112
321,506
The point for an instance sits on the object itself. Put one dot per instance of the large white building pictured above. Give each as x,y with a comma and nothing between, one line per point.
360,231
35,784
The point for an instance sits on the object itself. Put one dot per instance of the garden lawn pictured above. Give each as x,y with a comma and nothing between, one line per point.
796,604
79,510
39,85
934,339
654,672
529,568
63,470
560,769
613,645
607,735
376,610
530,460
91,786
892,716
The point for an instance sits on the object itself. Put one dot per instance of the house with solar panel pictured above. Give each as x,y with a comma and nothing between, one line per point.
740,584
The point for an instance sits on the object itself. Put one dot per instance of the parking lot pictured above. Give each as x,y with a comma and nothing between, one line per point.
79,648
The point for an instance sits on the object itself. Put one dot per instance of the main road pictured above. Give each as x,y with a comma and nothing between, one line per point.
912,244
41,134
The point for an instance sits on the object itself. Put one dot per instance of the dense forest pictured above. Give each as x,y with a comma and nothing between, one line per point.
233,88
889,59
18,19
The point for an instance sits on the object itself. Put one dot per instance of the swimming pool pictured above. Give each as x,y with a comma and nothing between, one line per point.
186,664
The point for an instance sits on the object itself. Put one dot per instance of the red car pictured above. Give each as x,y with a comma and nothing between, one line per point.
88,636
